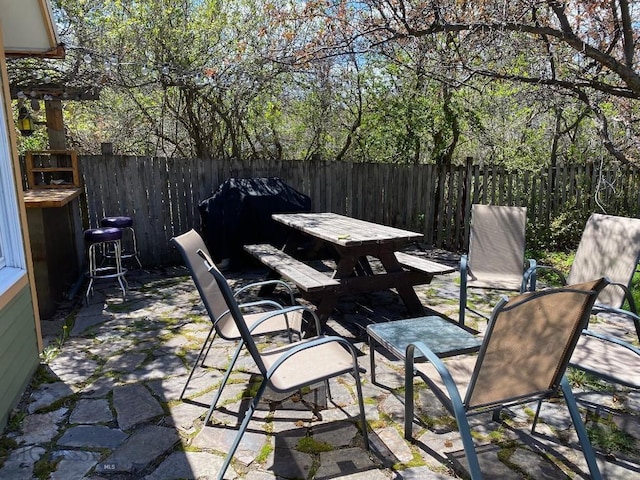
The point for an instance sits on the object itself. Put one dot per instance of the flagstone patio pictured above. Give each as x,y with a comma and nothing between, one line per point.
105,404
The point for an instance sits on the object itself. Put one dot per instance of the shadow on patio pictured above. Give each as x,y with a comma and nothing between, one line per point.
105,405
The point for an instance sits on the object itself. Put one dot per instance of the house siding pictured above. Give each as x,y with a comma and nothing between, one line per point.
18,350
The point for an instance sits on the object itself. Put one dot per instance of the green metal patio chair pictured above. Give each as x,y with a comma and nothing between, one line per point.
523,358
496,253
188,244
288,368
609,247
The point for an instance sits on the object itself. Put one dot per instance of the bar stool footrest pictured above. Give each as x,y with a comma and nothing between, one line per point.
107,272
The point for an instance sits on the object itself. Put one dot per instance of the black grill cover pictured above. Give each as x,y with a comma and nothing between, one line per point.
239,213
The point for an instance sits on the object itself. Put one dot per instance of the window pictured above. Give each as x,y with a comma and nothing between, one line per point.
12,259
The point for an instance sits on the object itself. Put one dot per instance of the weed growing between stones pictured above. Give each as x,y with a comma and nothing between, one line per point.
264,453
585,381
606,435
7,444
416,461
43,374
44,467
313,447
507,449
52,350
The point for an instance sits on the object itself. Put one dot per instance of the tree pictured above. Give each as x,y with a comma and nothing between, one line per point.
513,82
584,49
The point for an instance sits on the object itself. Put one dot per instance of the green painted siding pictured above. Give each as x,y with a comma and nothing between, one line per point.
18,351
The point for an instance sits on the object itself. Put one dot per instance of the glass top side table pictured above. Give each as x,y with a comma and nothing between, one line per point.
446,338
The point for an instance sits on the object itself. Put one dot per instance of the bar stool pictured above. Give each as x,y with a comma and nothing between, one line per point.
126,225
99,241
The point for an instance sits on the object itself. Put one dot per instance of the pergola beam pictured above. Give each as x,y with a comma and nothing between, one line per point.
55,92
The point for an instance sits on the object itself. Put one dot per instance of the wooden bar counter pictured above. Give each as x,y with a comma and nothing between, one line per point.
55,232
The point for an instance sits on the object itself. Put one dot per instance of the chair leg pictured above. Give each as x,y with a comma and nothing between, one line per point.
536,416
227,374
328,387
372,360
243,427
463,290
587,449
124,286
208,350
467,442
89,291
363,419
408,405
204,358
456,405
193,368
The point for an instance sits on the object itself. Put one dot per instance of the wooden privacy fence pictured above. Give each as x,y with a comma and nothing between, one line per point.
162,194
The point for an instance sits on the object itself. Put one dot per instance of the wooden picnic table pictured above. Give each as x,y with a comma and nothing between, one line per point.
352,242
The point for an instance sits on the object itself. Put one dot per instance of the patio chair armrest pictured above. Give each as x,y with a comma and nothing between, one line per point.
533,269
464,266
631,314
265,283
452,389
529,281
285,311
614,340
628,296
259,303
314,343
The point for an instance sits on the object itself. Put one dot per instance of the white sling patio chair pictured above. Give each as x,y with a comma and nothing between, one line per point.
290,367
188,244
523,358
496,253
609,247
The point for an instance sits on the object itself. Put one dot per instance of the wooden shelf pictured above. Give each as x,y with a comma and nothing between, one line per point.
52,169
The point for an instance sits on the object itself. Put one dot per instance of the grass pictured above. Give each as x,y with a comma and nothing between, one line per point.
264,453
606,435
52,350
562,261
6,446
635,289
44,467
586,381
311,446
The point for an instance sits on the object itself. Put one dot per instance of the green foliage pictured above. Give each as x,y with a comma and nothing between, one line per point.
311,446
583,380
607,436
280,80
44,467
264,453
6,446
635,291
563,233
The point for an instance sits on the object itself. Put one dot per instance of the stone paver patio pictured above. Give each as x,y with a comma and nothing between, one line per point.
104,405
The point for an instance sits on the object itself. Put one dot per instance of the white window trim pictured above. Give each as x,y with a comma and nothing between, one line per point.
13,262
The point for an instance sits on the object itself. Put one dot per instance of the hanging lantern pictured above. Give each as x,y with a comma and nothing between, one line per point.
25,122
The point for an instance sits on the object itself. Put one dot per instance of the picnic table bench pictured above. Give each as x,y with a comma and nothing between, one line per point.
419,264
305,277
353,243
